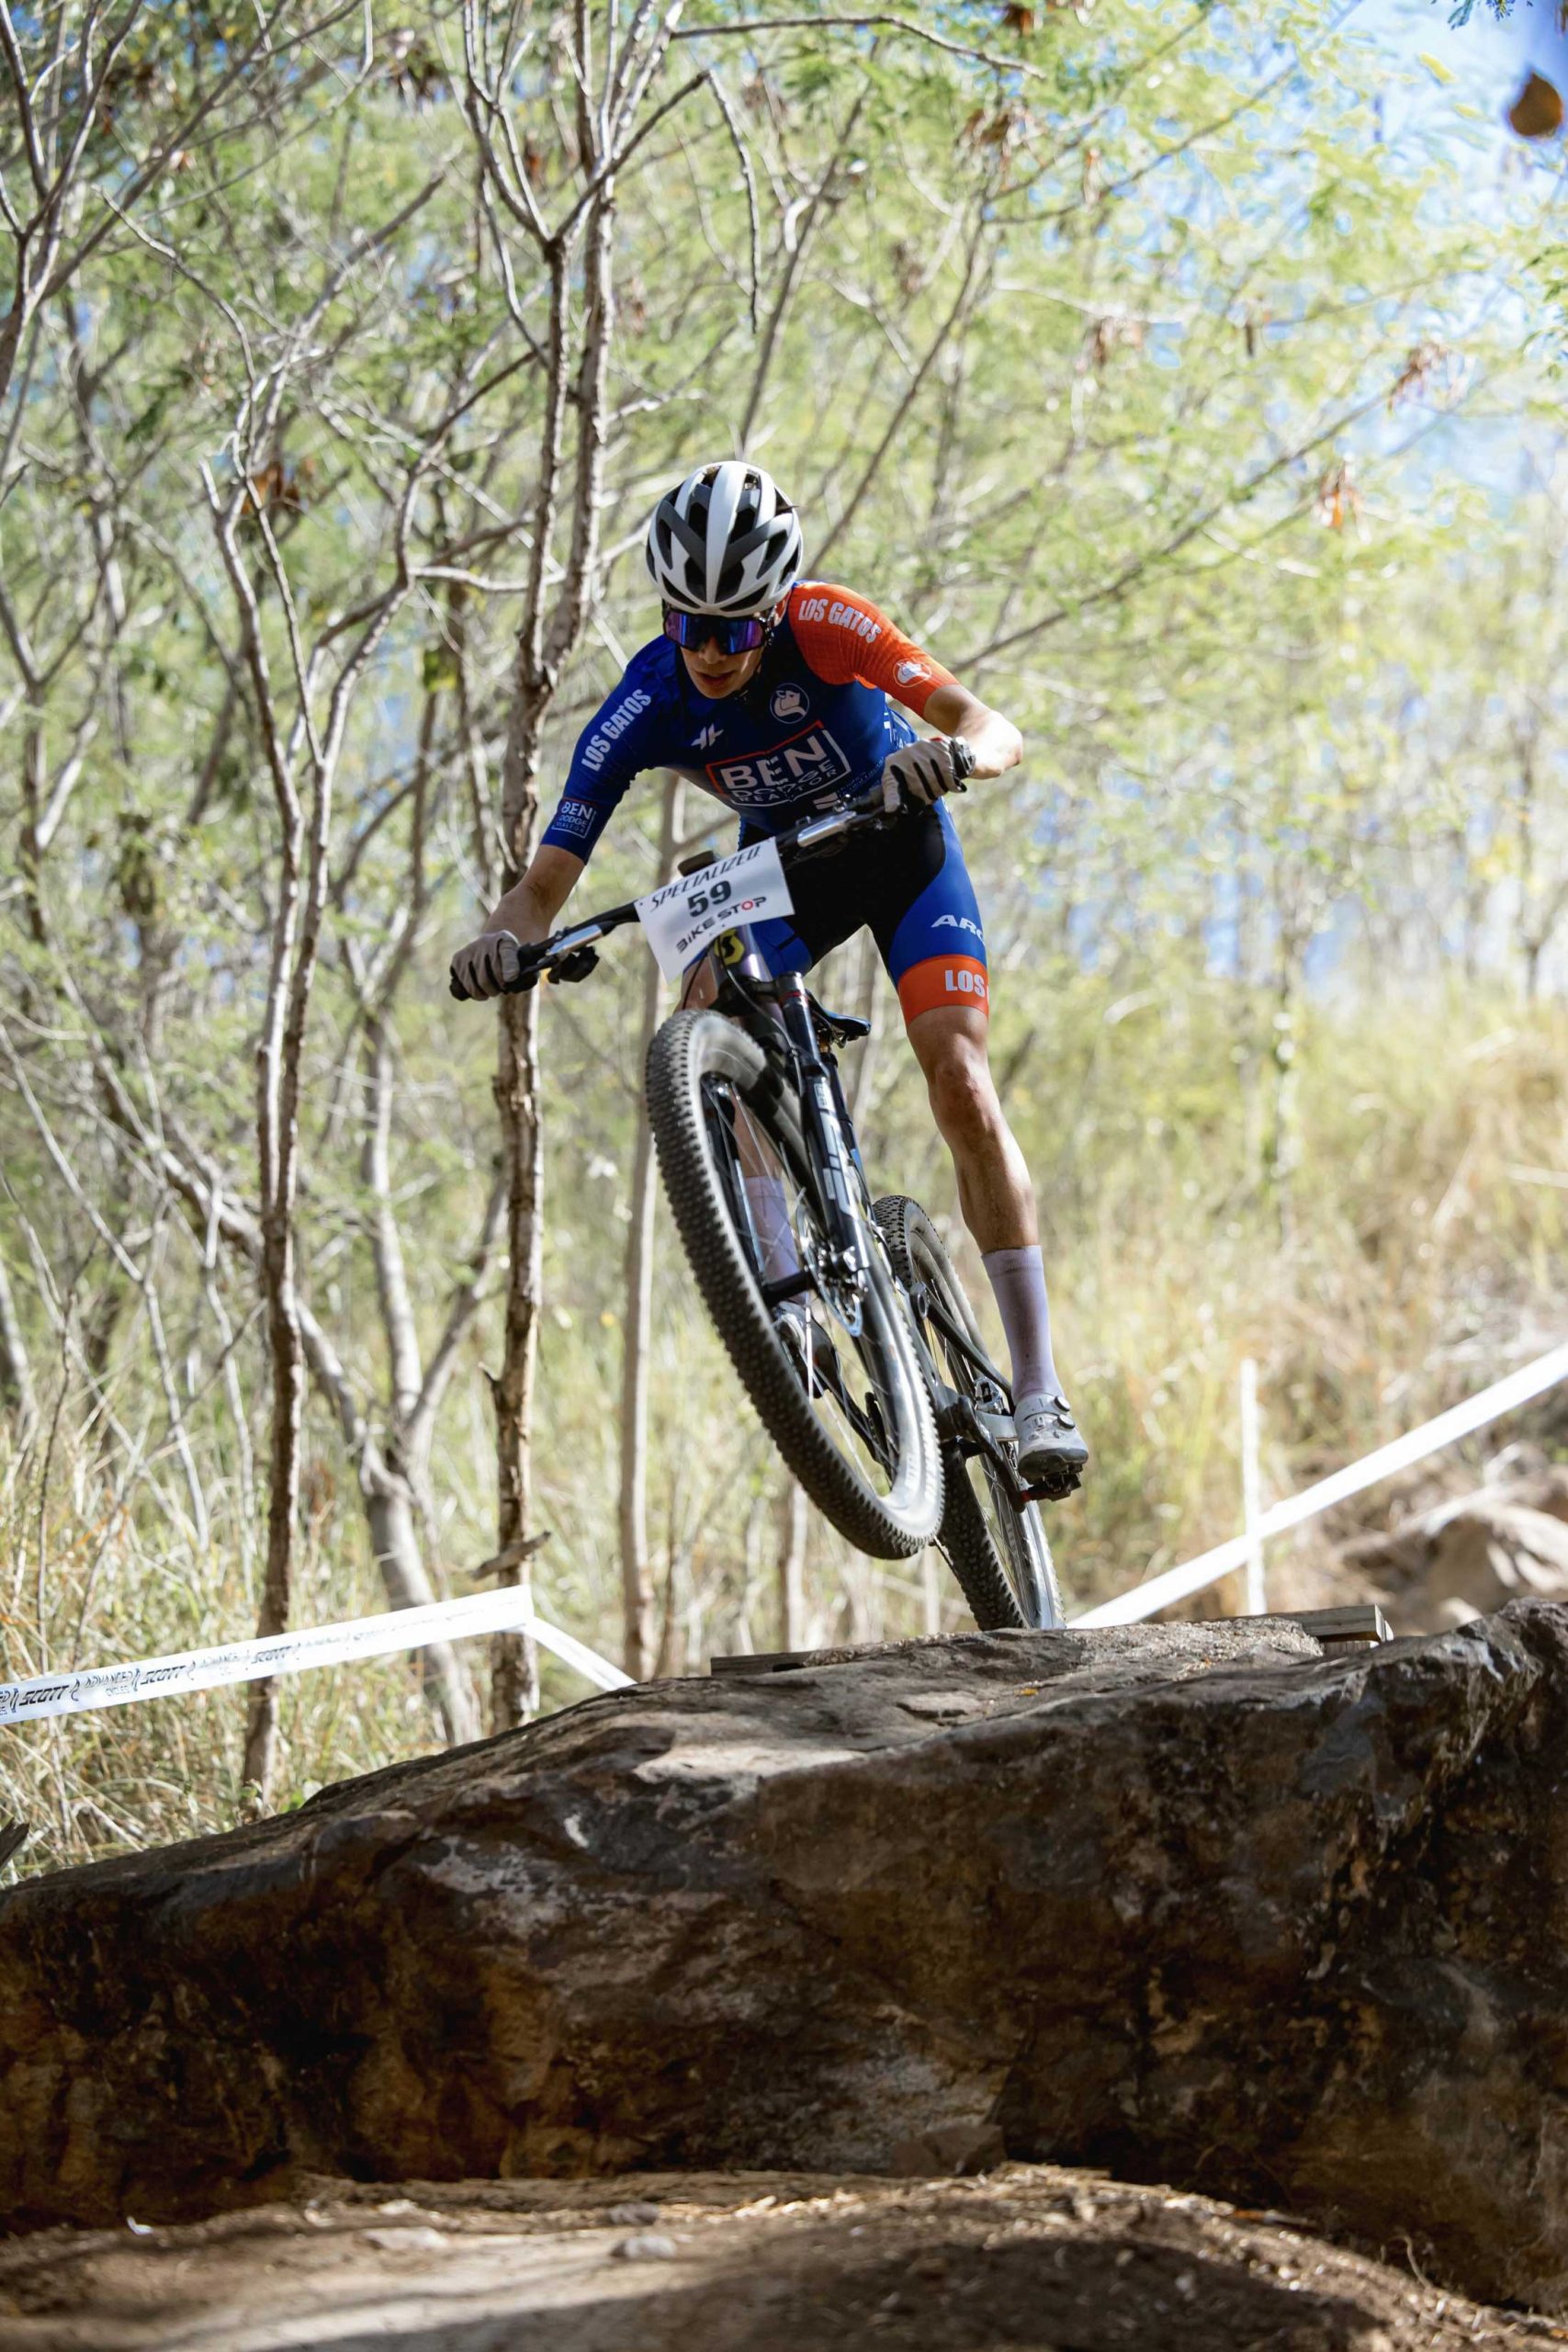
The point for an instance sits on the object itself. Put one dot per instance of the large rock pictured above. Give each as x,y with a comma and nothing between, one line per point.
1465,1559
1189,1903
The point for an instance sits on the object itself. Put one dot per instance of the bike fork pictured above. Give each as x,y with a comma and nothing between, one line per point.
825,1136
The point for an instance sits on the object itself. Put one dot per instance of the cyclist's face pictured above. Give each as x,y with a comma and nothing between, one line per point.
714,673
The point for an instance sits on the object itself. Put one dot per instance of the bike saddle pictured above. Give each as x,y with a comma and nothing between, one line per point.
844,1028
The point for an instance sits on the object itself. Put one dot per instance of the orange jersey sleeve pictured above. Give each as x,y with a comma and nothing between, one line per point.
843,637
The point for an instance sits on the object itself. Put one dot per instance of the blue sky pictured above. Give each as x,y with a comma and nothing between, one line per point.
1487,61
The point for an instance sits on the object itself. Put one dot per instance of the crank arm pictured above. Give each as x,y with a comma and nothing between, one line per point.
961,1423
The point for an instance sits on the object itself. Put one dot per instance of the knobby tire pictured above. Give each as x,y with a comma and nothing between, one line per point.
690,1048
1010,1581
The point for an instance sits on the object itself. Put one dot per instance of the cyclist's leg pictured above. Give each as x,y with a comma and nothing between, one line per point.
927,922
932,940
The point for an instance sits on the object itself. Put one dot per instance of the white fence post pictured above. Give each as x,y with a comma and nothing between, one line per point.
1252,1492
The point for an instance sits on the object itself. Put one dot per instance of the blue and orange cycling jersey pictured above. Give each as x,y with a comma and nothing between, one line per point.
811,728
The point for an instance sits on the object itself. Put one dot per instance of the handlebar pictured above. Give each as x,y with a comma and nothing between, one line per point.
553,958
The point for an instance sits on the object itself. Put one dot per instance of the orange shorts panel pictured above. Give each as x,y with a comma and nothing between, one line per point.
944,979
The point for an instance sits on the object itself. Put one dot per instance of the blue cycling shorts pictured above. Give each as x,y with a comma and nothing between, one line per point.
911,886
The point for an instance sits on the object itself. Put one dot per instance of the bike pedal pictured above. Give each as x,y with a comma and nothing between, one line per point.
1055,1490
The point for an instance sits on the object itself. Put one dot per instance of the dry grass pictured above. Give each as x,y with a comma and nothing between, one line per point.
1418,1255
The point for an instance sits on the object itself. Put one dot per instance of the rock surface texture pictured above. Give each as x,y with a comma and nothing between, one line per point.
1187,1902
1033,2258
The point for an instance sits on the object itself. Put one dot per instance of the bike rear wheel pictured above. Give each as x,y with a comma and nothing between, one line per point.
856,1427
998,1554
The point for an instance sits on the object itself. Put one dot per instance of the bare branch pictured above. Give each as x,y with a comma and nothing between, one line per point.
938,344
743,156
795,248
747,27
1125,580
464,1305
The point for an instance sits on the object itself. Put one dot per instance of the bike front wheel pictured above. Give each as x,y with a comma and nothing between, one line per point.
846,1404
998,1554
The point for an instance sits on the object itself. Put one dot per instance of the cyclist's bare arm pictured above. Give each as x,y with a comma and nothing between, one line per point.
524,914
995,741
529,909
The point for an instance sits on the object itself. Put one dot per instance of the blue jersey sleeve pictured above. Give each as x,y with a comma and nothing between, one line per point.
625,737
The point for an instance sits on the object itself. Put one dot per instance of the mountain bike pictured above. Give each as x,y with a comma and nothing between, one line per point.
860,1351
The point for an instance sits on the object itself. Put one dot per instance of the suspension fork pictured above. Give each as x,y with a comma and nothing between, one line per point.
830,1142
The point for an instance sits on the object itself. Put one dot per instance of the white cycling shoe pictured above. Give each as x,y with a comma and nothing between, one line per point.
1052,1456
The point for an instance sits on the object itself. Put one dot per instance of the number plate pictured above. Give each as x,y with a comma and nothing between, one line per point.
685,916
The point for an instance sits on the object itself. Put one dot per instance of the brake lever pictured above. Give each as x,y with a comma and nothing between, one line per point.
577,966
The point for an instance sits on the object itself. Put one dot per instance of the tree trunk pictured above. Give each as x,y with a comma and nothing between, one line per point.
283,1482
277,1147
1284,1141
542,653
515,1657
15,1371
637,1576
394,1538
1525,822
30,849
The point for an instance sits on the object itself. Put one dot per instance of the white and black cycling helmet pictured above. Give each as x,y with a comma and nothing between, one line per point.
727,542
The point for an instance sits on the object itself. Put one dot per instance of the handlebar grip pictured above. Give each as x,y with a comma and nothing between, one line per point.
961,755
530,971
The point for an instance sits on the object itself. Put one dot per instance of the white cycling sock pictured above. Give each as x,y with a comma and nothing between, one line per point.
770,1221
1018,1278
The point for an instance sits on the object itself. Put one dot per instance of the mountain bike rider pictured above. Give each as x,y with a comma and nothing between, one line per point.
781,697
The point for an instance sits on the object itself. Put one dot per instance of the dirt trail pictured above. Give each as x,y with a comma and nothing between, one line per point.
1028,2256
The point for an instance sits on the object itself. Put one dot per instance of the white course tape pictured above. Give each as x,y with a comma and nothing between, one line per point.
1459,1420
397,1629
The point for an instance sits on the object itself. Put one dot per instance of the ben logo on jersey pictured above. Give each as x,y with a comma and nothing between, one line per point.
806,764
574,817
